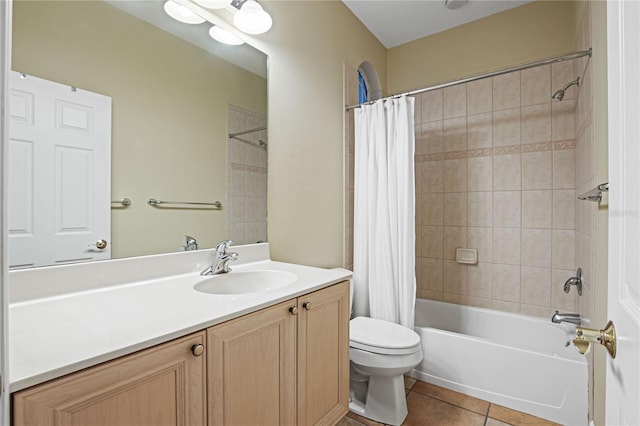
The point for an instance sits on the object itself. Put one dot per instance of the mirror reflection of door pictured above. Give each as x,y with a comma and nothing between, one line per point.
59,174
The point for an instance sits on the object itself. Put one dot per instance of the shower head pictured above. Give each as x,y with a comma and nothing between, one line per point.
560,93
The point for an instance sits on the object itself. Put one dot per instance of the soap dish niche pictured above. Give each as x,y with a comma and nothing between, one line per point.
467,256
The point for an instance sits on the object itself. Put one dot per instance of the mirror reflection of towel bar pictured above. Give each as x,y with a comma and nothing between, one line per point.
153,202
125,202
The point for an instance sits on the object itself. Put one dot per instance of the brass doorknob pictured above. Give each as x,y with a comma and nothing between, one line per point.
197,349
307,305
586,336
293,310
101,244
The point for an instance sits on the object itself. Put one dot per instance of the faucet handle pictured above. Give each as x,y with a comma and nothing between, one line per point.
223,246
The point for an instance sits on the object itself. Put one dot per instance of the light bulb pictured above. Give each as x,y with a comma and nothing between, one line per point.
213,4
181,13
252,19
224,36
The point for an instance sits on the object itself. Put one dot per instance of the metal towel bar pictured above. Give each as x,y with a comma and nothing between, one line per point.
125,202
595,194
153,202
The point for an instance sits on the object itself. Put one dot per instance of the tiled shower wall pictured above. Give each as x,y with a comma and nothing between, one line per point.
246,177
495,171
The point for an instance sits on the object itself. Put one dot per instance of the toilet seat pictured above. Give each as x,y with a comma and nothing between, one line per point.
382,337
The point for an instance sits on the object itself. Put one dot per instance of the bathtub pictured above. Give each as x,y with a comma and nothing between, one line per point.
521,362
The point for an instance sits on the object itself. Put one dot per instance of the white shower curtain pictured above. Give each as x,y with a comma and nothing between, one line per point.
384,216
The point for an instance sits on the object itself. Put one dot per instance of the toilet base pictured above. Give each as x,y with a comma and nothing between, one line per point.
386,400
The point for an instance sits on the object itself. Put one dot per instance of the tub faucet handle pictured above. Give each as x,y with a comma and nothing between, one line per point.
577,281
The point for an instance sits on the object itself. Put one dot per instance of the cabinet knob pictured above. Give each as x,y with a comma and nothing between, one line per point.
293,310
307,305
197,349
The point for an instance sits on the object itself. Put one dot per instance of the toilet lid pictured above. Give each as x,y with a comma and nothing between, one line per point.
380,336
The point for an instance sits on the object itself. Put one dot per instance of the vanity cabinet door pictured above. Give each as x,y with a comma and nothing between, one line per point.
163,385
252,368
323,355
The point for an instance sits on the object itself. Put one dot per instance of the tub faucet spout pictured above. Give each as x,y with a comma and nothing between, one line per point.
558,318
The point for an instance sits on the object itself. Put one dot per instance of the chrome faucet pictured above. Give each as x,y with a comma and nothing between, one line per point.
221,259
572,318
191,243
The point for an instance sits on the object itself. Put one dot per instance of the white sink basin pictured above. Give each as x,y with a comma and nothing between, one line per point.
245,282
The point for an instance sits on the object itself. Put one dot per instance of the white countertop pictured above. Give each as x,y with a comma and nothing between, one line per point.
61,333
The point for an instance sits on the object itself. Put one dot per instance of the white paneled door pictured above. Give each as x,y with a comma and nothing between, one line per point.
59,173
623,372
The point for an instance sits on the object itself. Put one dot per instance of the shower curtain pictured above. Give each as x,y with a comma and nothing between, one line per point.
384,215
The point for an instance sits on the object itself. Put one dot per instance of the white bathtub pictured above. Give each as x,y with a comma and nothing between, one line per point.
516,361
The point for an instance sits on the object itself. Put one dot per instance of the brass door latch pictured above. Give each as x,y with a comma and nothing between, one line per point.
586,336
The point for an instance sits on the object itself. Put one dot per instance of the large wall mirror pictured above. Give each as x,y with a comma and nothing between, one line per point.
173,96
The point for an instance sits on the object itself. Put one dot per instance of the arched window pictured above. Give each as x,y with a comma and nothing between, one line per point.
369,88
363,88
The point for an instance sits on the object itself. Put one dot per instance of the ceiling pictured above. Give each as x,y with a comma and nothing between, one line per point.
395,22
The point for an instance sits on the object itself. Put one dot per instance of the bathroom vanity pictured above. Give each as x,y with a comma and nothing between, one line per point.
275,356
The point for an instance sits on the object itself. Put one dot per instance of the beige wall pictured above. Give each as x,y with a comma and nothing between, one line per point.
524,34
169,113
308,45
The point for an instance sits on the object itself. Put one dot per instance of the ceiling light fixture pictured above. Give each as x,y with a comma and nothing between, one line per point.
213,4
223,36
181,13
252,18
454,4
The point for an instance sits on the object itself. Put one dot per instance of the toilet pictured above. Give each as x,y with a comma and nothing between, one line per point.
380,352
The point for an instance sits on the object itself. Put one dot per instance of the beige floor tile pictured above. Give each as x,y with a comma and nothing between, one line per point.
348,421
516,418
464,401
359,420
494,422
426,411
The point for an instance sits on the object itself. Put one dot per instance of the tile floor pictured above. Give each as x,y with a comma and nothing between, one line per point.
432,405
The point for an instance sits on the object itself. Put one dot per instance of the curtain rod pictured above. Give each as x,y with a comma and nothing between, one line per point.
567,57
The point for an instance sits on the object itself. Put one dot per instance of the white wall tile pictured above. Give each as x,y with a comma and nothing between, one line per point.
480,96
506,127
505,284
481,239
507,209
536,123
507,172
536,209
455,208
479,278
455,101
480,173
455,175
506,91
537,170
536,247
535,286
506,246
